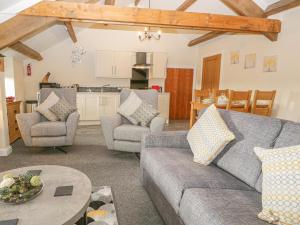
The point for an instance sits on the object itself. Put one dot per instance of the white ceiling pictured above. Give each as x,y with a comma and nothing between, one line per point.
57,33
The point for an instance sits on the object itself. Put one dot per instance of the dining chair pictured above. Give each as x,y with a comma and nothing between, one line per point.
221,98
203,94
263,102
239,101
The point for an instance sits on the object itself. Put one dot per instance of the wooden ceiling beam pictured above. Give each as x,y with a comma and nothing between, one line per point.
71,31
281,6
110,2
25,50
151,17
136,2
185,5
205,37
243,8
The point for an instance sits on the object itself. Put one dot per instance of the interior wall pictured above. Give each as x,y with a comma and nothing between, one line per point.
57,59
287,78
19,81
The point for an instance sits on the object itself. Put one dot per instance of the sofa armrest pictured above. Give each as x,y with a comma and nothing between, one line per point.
169,139
108,124
157,124
25,122
71,124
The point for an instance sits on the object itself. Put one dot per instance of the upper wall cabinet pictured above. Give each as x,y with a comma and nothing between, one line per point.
110,64
159,61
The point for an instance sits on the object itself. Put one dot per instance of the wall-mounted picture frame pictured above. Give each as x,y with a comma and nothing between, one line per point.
235,57
270,64
250,61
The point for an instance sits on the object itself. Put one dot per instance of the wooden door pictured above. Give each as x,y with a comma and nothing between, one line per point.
211,72
179,83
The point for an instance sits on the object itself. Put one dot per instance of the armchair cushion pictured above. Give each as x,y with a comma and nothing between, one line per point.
62,109
128,132
144,114
43,108
49,129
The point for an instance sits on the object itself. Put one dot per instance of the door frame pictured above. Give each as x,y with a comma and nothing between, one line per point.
220,66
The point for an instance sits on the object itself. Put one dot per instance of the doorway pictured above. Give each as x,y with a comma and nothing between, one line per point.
211,72
179,83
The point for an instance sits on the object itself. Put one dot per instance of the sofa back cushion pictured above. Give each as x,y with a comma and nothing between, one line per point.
238,158
289,135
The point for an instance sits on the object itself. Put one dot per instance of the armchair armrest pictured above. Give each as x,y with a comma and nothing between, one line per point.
109,123
25,122
71,124
169,139
157,124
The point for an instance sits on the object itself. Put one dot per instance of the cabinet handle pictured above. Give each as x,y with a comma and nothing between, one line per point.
112,70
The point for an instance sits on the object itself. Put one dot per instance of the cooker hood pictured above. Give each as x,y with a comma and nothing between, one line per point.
141,60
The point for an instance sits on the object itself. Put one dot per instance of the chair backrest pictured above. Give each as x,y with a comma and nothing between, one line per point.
68,93
239,101
263,102
219,93
149,96
203,94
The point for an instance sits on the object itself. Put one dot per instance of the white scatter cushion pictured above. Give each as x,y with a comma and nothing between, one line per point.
129,106
280,185
43,108
209,136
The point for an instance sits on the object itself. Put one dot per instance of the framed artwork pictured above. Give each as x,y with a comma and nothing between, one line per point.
270,64
250,61
235,57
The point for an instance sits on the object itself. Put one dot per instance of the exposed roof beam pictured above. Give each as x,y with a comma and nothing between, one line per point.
110,2
185,5
19,26
71,31
205,37
152,17
244,8
280,6
25,50
136,2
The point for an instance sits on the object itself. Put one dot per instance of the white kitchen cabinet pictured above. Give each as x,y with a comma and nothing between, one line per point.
104,64
123,64
159,61
93,105
111,64
108,104
164,105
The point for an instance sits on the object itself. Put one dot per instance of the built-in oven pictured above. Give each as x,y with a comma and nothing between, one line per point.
140,78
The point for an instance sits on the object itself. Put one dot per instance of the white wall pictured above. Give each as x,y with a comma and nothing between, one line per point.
57,58
287,78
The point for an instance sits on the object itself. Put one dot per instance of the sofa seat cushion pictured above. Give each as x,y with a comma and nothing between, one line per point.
173,170
49,129
238,157
128,132
200,206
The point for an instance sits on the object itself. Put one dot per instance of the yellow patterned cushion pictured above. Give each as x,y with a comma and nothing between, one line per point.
281,185
209,136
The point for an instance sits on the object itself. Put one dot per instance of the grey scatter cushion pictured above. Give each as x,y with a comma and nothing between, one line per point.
44,107
62,109
144,114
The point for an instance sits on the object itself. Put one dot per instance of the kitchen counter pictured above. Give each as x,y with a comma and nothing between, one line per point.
99,89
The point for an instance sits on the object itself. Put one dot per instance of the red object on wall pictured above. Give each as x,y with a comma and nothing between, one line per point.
28,69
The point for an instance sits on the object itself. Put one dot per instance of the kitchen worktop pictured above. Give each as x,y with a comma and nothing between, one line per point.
99,89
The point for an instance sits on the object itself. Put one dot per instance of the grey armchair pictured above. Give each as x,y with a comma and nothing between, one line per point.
37,131
120,134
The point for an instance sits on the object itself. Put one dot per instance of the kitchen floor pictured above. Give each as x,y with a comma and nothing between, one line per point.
93,135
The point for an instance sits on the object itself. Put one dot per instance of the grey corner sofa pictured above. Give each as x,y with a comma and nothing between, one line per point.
120,134
228,192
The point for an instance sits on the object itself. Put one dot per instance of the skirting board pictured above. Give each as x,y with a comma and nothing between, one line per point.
6,151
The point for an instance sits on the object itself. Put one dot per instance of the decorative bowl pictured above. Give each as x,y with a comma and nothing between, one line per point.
20,189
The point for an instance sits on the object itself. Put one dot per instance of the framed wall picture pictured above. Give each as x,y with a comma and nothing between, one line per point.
235,57
250,61
270,64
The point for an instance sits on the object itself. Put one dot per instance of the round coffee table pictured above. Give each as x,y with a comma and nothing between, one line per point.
46,209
